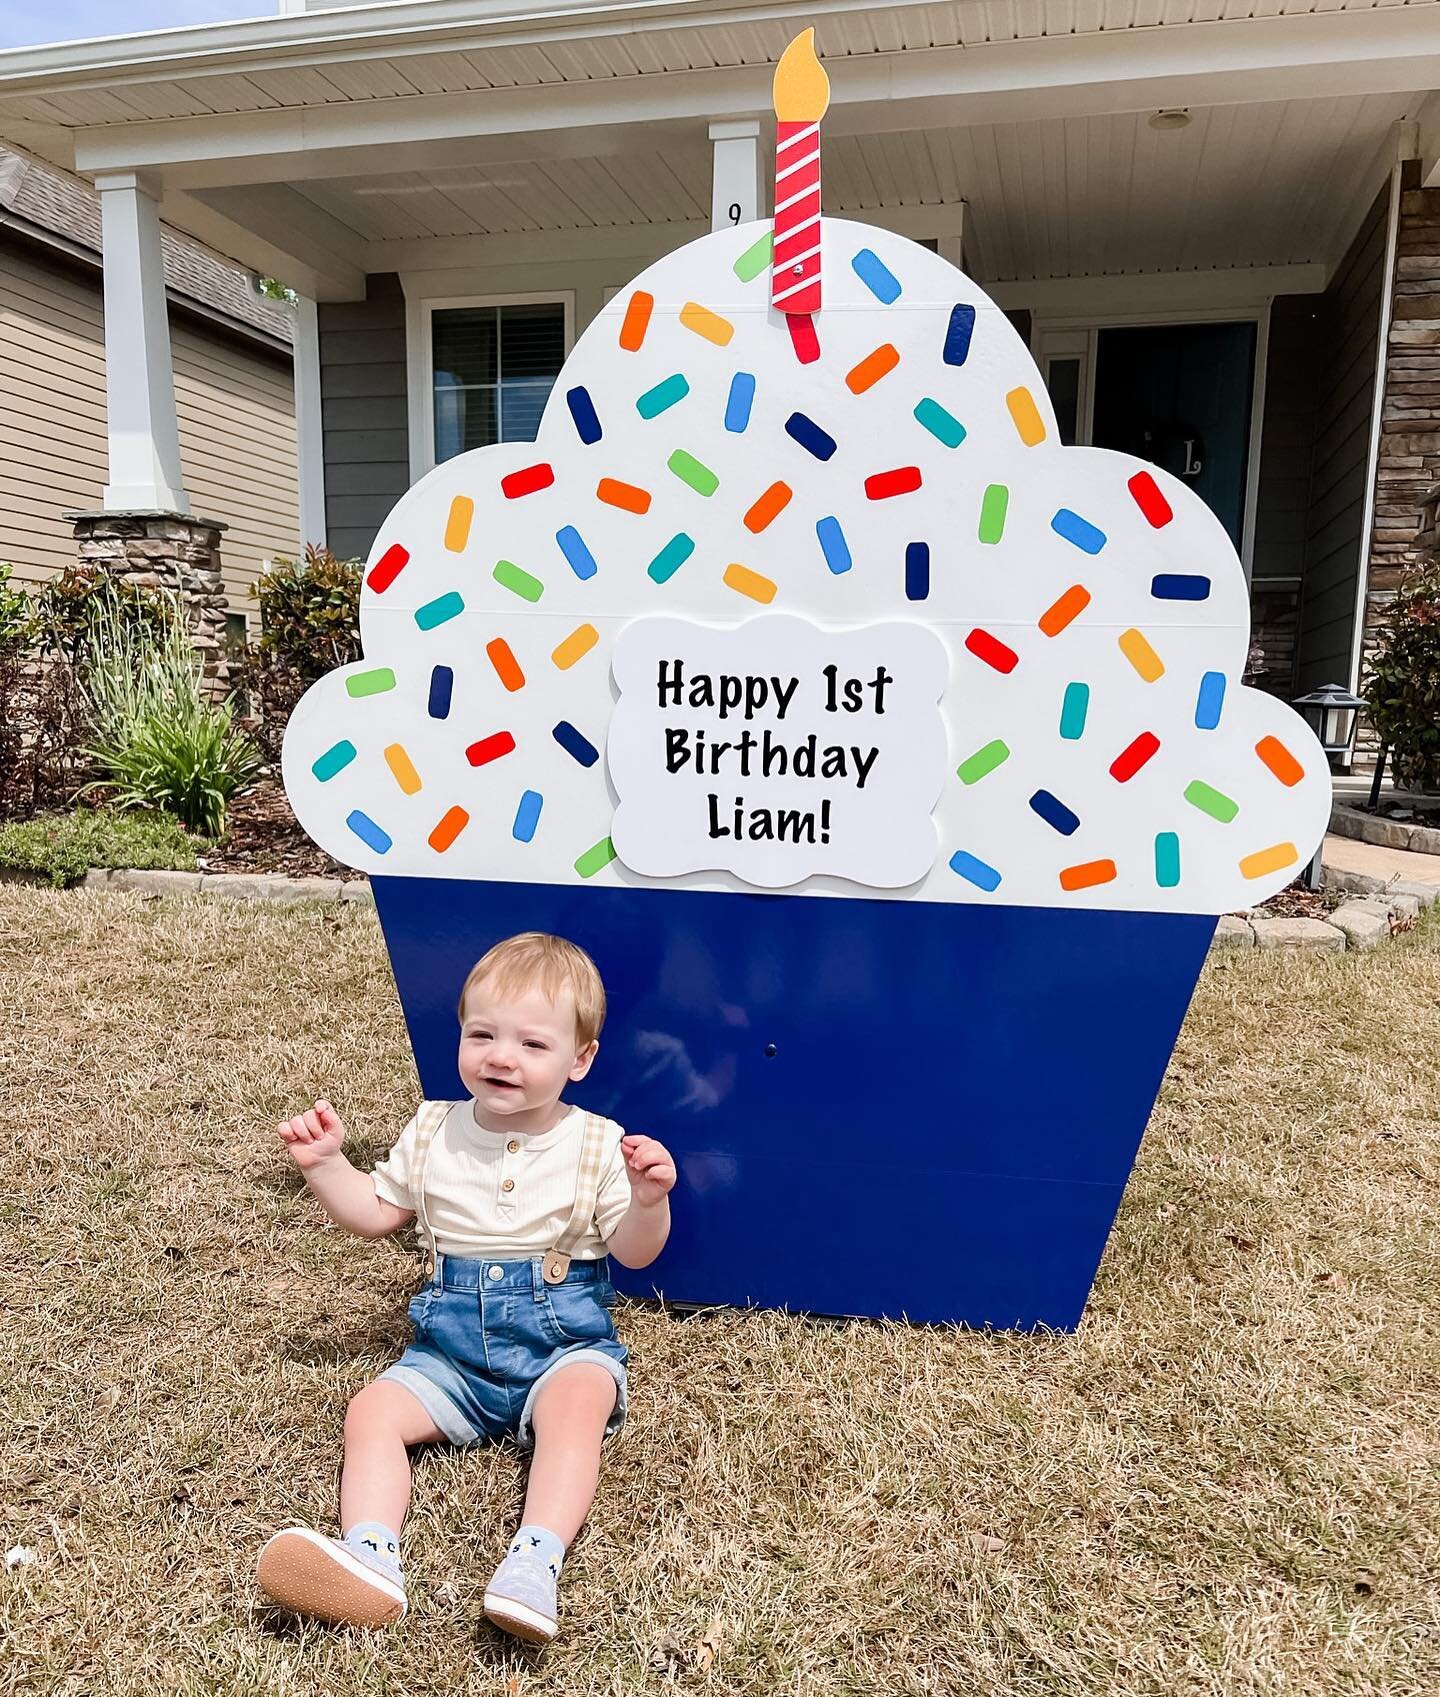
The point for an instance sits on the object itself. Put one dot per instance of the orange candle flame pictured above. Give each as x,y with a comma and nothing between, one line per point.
802,90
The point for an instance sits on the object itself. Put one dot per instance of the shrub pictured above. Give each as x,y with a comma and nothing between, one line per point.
68,608
43,718
310,612
63,847
1404,680
17,616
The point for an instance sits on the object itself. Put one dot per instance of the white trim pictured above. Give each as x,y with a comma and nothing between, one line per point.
1257,429
735,167
1160,294
420,354
309,431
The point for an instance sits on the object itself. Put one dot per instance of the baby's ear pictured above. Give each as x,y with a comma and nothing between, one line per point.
584,1059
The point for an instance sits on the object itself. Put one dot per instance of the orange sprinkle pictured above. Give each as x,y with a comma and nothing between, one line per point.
1273,859
1027,417
871,369
705,323
774,501
507,667
1141,655
457,526
1085,876
575,646
401,765
745,582
448,829
1070,606
1280,760
637,321
626,495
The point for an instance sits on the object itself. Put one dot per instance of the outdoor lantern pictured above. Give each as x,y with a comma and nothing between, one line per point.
1331,711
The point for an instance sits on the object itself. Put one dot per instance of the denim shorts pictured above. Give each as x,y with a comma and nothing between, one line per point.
488,1334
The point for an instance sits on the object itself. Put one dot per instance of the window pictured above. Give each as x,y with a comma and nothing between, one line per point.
494,367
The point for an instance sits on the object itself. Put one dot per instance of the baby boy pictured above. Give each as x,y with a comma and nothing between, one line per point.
518,1198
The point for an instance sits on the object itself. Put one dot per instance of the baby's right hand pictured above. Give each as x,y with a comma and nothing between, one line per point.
314,1136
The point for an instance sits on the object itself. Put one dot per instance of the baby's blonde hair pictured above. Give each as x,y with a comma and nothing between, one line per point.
537,961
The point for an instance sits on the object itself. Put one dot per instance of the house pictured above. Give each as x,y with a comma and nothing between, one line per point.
234,388
1214,221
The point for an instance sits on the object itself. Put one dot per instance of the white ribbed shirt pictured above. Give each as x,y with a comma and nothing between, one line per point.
502,1196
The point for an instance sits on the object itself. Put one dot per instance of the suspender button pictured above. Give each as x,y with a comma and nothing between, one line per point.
513,1146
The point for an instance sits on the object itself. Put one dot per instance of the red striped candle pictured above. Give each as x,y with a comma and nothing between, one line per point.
802,93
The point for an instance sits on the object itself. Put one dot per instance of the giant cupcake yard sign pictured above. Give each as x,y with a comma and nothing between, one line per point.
890,757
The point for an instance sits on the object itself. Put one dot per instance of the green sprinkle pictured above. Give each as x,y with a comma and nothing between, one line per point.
370,683
594,859
942,425
665,394
333,760
755,259
983,761
689,470
992,512
519,583
436,612
1211,801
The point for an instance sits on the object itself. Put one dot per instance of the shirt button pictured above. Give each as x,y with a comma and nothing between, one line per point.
508,1185
496,1273
513,1145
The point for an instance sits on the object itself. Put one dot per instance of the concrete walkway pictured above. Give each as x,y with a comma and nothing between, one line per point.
1345,854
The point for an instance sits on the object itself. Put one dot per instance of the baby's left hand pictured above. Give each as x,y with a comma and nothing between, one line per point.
650,1167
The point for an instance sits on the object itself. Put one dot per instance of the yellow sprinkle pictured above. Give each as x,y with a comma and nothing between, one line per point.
1273,859
1027,417
405,774
746,582
1141,656
705,323
457,526
575,646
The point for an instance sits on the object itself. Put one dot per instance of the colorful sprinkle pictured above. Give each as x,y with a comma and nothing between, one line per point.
457,523
1141,655
442,685
803,336
671,557
582,412
877,276
833,544
510,576
1211,801
917,571
1273,859
527,481
1149,499
689,470
374,682
527,816
451,825
809,435
1209,701
983,762
578,556
903,480
1167,859
439,611
595,859
507,667
1129,761
974,871
490,748
623,495
665,394
1065,611
1054,812
1073,711
942,425
993,509
1087,875
637,321
335,759
575,646
745,582
768,507
403,769
1180,586
1081,532
1026,416
739,402
576,745
957,335
1274,754
991,650
755,259
387,568
868,371
369,832
705,323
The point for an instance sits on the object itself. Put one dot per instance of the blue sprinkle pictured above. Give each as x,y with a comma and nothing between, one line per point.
1209,701
671,557
976,871
1167,859
333,760
942,425
1073,711
833,545
572,546
1180,586
438,611
917,571
442,684
741,399
957,335
664,395
527,816
809,435
1077,530
876,276
578,747
368,832
582,410
1054,812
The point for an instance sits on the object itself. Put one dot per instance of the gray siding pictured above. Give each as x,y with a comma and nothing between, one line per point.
364,412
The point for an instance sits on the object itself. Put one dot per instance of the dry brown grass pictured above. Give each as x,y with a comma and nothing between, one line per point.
1225,1483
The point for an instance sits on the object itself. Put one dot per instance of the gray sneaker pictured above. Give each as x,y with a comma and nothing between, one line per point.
520,1598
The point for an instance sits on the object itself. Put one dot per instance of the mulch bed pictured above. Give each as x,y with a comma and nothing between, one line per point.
263,835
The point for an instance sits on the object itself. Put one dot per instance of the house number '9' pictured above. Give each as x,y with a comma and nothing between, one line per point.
734,211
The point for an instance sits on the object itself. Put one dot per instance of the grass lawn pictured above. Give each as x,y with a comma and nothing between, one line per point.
1226,1483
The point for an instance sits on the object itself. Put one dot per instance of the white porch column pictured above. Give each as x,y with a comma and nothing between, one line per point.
735,176
309,437
139,381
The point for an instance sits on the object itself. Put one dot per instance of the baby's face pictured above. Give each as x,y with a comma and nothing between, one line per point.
517,1053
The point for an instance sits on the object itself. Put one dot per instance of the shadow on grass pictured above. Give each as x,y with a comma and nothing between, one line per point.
388,1339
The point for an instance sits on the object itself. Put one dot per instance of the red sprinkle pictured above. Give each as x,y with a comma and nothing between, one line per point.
526,481
1149,499
490,748
387,568
904,480
991,650
801,326
1127,764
